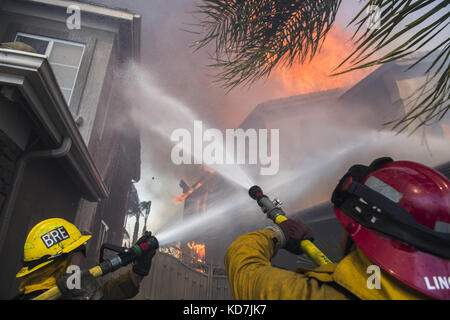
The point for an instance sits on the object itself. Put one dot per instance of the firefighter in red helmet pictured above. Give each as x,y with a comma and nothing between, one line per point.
396,215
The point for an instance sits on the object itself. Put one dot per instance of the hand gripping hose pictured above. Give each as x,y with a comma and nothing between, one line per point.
274,212
123,258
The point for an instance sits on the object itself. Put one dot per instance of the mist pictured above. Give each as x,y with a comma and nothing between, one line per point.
313,157
172,86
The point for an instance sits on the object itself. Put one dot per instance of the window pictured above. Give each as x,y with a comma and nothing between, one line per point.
103,233
64,57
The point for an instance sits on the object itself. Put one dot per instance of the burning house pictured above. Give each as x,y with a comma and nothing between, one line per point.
196,199
68,147
193,268
381,96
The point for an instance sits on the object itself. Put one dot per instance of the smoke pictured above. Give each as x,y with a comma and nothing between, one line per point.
310,182
172,86
166,52
170,67
316,152
157,114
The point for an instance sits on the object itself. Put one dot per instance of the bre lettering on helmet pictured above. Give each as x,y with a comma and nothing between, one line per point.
55,236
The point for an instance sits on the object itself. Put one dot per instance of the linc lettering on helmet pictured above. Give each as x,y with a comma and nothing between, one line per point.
438,283
55,236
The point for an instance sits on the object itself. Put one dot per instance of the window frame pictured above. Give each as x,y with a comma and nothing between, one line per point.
51,41
86,36
104,230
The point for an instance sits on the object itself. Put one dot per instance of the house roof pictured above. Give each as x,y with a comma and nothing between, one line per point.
91,7
276,105
285,105
129,22
32,75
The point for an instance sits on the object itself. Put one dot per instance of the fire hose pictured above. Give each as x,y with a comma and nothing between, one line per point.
123,257
273,210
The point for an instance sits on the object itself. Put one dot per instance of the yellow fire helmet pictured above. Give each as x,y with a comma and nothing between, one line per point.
48,240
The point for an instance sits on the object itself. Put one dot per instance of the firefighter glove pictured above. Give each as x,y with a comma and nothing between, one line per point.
294,231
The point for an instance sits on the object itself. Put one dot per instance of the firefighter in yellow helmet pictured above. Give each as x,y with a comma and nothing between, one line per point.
48,252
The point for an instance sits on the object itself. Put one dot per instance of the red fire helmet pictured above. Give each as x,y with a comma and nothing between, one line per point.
398,213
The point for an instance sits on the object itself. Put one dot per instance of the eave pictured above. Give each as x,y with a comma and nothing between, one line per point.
32,75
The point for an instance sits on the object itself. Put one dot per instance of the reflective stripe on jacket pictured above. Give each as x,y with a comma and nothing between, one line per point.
251,275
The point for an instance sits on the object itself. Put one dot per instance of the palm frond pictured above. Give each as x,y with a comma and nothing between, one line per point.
430,102
251,37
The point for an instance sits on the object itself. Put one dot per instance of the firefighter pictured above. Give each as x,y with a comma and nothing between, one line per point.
48,252
396,215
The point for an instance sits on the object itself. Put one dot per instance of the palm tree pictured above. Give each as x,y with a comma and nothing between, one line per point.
144,208
251,37
126,238
134,210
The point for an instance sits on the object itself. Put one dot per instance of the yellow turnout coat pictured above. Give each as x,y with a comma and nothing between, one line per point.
251,275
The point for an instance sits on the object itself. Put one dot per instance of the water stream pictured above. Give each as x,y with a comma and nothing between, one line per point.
168,113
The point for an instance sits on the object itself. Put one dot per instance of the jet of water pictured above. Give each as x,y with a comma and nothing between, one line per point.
191,226
168,113
321,164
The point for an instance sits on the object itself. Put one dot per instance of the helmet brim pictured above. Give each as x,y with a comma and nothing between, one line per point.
26,271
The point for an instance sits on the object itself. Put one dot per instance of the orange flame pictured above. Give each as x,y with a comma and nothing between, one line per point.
208,170
182,197
305,78
205,201
315,75
197,251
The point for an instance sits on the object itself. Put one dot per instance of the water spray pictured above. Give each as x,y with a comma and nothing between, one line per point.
273,210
